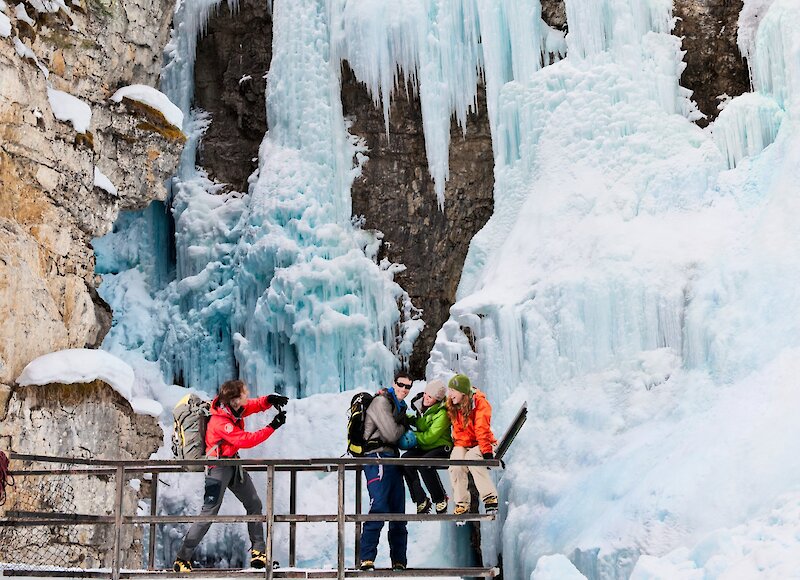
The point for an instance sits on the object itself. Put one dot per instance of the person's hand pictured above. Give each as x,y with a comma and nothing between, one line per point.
277,400
279,420
488,455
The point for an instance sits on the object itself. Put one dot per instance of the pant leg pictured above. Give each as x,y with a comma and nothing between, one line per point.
481,475
398,531
411,475
458,477
430,475
378,504
246,493
216,482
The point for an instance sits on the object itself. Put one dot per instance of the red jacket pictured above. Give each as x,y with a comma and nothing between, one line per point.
478,430
227,429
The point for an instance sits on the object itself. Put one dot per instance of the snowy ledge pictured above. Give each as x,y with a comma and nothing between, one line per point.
152,98
83,365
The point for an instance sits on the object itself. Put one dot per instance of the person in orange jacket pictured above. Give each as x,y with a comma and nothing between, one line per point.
471,416
225,435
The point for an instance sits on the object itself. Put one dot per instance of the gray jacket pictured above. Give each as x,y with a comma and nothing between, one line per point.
380,423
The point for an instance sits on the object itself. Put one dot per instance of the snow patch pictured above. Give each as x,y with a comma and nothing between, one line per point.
152,98
103,182
79,365
21,14
556,567
70,109
5,26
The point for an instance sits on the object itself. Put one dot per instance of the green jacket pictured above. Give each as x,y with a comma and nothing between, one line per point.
433,428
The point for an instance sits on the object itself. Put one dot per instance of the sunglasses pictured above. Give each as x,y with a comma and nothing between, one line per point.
404,385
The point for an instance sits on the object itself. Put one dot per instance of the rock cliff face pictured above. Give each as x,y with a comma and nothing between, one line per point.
50,208
232,61
714,65
89,421
396,195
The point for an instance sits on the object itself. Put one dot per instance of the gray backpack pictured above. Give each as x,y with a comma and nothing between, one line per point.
189,435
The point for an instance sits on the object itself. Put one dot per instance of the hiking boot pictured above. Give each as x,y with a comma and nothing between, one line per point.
367,565
461,509
424,507
490,504
398,566
258,559
441,506
182,565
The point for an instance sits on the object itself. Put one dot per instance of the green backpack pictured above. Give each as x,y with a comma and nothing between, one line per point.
189,435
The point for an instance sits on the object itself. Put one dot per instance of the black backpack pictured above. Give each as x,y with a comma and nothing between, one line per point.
357,446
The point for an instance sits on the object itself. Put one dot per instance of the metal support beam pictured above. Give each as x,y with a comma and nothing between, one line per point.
151,544
270,519
341,514
116,564
357,559
292,525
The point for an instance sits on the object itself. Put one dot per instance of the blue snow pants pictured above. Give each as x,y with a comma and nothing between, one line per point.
387,495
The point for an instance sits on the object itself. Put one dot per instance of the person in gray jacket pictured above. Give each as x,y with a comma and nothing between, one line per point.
385,421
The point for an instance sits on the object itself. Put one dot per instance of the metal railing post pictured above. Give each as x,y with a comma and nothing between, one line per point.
340,513
292,525
357,558
151,547
120,486
270,519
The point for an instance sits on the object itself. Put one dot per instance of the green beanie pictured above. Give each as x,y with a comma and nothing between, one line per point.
460,383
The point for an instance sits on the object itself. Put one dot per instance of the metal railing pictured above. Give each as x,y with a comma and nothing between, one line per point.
121,469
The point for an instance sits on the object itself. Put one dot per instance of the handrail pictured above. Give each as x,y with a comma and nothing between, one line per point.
253,463
339,465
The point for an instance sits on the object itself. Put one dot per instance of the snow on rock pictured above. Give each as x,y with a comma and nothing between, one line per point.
71,109
79,365
557,567
21,14
103,182
152,98
5,26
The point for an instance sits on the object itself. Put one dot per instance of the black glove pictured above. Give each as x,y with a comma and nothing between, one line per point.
279,420
488,455
277,400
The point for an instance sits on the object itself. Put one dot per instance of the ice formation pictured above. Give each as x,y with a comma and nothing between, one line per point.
636,283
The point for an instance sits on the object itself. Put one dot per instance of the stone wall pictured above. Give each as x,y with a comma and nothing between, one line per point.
49,208
87,421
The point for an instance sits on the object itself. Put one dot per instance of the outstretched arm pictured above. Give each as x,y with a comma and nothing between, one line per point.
246,439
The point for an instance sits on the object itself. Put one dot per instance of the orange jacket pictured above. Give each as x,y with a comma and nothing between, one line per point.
478,430
227,430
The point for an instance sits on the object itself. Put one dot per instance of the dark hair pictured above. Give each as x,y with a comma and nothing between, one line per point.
403,373
229,390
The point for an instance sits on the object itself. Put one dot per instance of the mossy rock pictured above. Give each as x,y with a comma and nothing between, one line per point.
154,120
85,140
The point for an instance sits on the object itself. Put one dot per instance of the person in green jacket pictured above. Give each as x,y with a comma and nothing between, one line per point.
433,440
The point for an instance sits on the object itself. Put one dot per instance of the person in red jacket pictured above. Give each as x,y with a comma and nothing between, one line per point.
225,435
471,416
